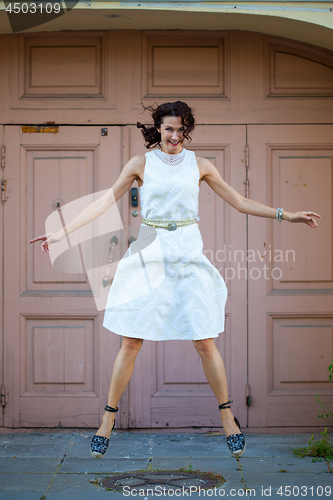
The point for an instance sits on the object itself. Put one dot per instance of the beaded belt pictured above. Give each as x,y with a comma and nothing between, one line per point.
170,225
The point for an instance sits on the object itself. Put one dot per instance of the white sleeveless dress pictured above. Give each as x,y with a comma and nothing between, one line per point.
164,287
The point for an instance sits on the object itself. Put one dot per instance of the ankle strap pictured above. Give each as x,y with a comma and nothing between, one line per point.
109,408
224,405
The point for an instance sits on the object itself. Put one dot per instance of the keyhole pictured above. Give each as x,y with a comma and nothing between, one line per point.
57,204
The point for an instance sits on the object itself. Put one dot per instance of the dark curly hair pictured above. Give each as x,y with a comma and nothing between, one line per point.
151,134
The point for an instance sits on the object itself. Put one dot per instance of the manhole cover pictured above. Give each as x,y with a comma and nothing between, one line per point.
162,482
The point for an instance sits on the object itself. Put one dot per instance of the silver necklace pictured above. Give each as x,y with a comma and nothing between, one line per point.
171,160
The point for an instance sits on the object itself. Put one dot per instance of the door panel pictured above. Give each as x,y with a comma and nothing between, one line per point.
51,176
290,307
169,388
53,329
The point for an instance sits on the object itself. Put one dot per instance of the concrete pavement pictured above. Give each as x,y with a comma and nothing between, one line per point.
58,466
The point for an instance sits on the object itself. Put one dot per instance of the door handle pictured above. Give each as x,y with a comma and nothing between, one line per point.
107,280
134,197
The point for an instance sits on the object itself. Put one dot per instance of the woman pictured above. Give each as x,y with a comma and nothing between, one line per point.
164,287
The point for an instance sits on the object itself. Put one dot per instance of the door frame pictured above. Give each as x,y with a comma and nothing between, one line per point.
2,289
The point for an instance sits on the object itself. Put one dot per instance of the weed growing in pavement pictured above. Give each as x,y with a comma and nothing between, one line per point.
316,449
322,448
327,415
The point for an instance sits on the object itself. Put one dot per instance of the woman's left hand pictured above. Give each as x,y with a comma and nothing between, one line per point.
306,217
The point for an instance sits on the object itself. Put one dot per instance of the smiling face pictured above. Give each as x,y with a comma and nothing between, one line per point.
171,131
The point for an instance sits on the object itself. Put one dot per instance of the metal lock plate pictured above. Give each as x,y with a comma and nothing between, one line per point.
57,204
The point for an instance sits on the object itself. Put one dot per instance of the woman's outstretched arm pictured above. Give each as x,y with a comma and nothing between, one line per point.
131,171
210,174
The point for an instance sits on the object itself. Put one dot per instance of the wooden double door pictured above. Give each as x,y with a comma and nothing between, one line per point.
57,358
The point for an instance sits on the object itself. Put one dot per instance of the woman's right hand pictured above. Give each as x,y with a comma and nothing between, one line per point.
47,239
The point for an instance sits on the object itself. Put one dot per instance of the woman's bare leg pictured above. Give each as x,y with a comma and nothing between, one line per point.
215,372
121,374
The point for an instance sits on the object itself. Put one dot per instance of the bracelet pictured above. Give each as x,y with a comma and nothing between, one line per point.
279,214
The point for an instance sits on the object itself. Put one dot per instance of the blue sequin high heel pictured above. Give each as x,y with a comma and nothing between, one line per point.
235,442
99,444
